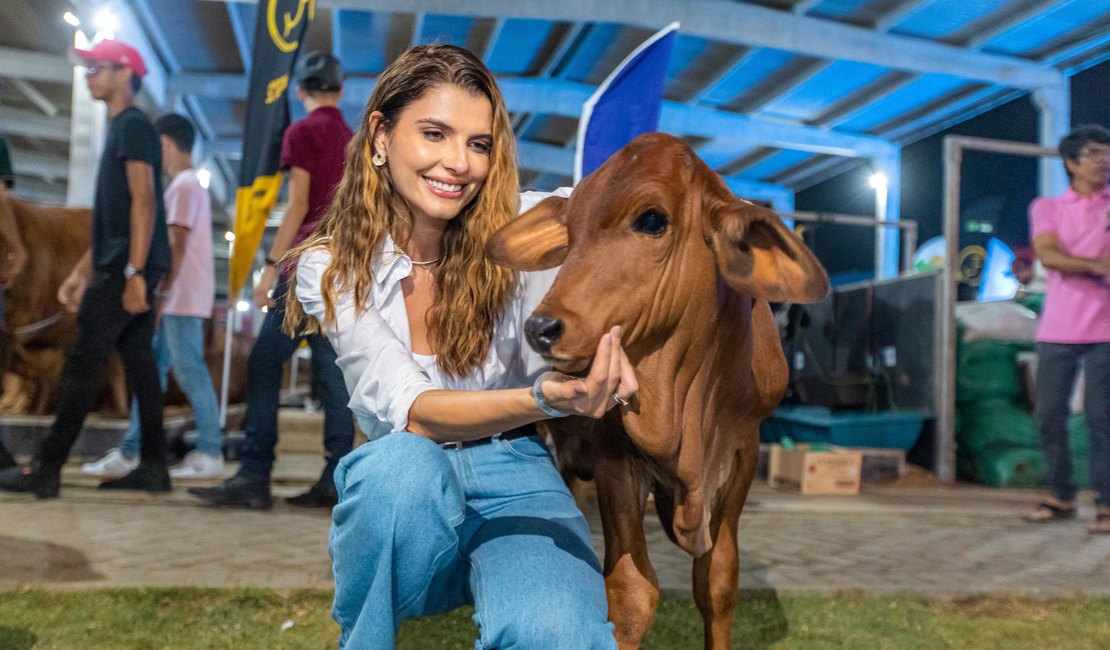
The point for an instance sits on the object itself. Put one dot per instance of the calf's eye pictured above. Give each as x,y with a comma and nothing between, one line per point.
651,222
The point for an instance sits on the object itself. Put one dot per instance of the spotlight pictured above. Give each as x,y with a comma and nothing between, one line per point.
229,236
106,22
204,177
242,305
878,181
73,20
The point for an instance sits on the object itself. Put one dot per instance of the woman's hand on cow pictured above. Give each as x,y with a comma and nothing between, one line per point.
611,377
72,290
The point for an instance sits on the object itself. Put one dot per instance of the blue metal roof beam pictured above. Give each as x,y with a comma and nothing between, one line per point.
1003,21
558,97
730,64
242,34
35,66
745,24
803,6
563,49
483,37
900,11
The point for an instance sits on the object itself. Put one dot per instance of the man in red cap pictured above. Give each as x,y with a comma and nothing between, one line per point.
112,287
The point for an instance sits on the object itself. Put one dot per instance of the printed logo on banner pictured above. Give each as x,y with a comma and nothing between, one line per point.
280,37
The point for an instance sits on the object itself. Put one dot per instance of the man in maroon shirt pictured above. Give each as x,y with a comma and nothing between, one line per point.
312,153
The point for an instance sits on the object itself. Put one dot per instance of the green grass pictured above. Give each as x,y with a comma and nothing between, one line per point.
180,619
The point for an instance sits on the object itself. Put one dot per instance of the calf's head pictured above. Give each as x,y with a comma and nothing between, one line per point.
644,243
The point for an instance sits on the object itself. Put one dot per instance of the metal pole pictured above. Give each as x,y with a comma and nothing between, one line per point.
229,327
945,444
880,231
909,245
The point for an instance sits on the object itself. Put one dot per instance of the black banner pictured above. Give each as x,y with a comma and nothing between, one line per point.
278,33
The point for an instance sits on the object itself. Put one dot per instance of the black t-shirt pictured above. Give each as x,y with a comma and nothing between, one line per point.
130,137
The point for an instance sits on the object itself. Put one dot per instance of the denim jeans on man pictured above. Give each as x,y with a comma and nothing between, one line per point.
420,529
1057,368
101,324
264,371
179,345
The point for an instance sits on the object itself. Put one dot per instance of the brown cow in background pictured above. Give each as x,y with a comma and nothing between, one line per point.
655,242
38,329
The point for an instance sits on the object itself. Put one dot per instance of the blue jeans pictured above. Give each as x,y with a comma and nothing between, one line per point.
421,530
264,370
1057,368
179,345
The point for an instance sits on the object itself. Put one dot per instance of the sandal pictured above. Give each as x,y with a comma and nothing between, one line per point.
1046,512
1101,525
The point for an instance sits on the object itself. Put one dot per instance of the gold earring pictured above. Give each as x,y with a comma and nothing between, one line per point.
378,159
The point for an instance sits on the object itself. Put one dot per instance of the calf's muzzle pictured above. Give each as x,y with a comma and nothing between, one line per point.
542,332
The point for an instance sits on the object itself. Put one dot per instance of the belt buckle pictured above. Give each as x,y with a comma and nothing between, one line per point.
455,445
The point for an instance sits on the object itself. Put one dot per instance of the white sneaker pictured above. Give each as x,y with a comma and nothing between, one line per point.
113,465
198,465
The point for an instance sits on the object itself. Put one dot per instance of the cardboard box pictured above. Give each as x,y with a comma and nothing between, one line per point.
829,470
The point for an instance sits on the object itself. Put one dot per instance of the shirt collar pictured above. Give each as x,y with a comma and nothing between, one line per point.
390,264
1071,196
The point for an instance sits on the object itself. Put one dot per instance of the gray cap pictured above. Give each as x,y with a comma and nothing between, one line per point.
319,71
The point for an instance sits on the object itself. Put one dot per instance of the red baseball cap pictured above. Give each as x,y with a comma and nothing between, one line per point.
116,52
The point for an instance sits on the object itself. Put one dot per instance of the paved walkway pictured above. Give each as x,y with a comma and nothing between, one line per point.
932,541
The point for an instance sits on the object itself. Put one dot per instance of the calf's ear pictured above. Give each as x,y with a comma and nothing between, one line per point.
534,241
758,256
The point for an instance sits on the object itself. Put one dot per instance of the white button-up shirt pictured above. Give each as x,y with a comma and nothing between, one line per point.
374,348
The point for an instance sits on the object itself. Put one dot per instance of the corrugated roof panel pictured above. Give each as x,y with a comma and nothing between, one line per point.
1064,18
907,98
602,51
757,67
518,44
448,30
775,164
682,76
825,89
856,12
200,36
944,17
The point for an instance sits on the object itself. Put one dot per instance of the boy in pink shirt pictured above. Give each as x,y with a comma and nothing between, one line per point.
1071,236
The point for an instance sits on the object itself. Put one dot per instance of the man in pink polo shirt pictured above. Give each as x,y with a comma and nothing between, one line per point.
1071,236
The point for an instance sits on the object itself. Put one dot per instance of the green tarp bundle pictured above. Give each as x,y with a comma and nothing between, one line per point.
997,439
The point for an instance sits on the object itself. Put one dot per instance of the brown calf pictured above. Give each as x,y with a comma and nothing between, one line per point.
37,329
655,242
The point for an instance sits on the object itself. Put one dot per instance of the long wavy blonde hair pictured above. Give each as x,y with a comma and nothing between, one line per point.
471,292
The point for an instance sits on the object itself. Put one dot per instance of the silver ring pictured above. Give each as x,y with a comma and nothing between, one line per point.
620,400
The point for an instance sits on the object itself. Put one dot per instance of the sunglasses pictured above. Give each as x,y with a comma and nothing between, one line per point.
95,67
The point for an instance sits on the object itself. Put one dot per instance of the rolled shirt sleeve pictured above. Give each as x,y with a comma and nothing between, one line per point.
1042,218
381,376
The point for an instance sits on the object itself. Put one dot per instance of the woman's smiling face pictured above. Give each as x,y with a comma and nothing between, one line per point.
438,150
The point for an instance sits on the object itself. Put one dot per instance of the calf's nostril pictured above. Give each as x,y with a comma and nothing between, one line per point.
542,332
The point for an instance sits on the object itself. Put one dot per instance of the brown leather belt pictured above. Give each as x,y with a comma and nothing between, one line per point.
519,432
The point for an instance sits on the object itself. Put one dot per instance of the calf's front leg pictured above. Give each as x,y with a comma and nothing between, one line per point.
631,585
717,571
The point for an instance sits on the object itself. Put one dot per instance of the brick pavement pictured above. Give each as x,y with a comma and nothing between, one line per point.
939,541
